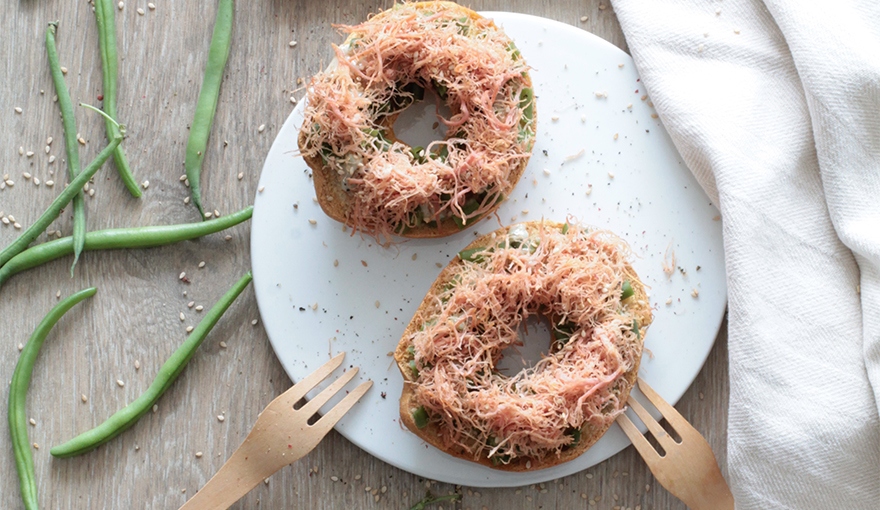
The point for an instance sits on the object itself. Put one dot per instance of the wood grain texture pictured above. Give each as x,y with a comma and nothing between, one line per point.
135,315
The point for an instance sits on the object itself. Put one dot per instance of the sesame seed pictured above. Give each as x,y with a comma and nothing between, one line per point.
145,184
81,140
186,200
228,238
140,11
84,398
26,175
313,221
292,99
209,214
17,225
18,109
222,345
261,128
92,192
629,106
182,178
669,301
181,276
584,18
36,181
620,66
654,116
120,383
190,304
182,317
200,308
315,306
152,6
695,293
33,422
261,188
199,455
189,329
616,136
546,171
334,478
5,220
11,217
21,151
644,96
266,481
20,346
601,94
47,149
155,407
36,446
221,418
736,31
601,7
240,176
120,5
525,212
292,44
377,304
29,154
51,159
137,365
554,118
50,183
255,322
216,213
335,262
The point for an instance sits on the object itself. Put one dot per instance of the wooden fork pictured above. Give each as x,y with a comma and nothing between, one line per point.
281,436
688,469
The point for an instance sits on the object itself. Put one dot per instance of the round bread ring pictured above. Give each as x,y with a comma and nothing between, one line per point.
420,332
369,180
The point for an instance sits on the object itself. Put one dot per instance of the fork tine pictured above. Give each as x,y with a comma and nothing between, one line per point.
299,390
638,440
327,393
333,415
672,416
656,429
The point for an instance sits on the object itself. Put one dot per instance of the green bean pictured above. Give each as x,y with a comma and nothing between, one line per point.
120,238
626,290
68,127
129,415
420,417
21,379
207,102
107,46
63,198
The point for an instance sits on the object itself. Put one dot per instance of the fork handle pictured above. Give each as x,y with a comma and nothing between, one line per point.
236,478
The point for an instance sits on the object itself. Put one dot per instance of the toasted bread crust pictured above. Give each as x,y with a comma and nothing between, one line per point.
338,204
638,306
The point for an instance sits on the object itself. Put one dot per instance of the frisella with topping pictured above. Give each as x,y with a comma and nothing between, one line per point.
581,282
368,179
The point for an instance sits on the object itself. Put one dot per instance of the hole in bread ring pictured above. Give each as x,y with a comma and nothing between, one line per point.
543,414
365,176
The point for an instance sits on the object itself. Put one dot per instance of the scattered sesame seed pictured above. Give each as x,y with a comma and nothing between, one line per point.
29,154
261,188
313,221
584,18
200,308
266,481
21,151
255,322
334,478
120,5
525,212
208,214
26,175
145,184
36,446
58,295
695,293
736,31
611,175
221,418
222,345
84,398
50,183
669,301
20,346
554,118
189,329
601,7
700,48
292,100
120,383
137,365
155,407
315,306
644,97
227,238
620,66
33,422
151,6
37,181
336,263
240,176
11,217
546,171
601,94
17,225
190,304
81,140
616,135
377,303
18,109
140,11
181,276
199,455
186,200
201,264
364,263
182,178
357,477
182,317
654,116
261,128
629,106
5,220
292,44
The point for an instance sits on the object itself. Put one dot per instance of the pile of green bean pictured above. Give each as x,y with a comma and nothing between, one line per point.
19,256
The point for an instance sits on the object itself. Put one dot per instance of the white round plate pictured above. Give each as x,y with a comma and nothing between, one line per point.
599,157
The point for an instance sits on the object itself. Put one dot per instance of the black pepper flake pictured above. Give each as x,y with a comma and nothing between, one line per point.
302,309
383,394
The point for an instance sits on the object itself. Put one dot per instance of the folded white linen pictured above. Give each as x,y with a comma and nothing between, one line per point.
775,107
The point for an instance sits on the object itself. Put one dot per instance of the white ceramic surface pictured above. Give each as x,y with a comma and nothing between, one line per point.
600,157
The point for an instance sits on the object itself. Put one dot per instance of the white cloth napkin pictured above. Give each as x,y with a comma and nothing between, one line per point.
775,107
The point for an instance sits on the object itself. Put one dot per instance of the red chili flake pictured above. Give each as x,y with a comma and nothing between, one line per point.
185,279
290,446
364,263
637,91
100,97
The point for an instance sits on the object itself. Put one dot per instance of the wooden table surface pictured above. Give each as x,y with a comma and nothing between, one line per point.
134,320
